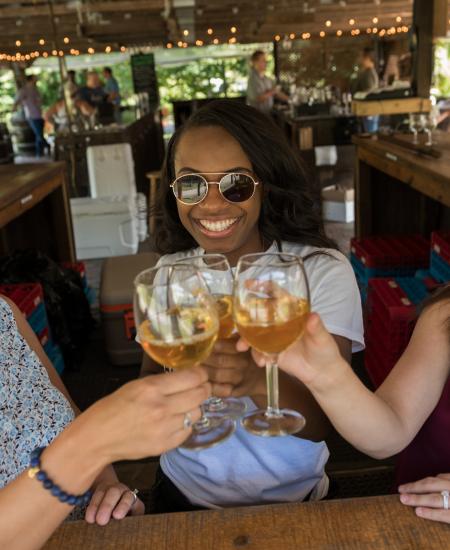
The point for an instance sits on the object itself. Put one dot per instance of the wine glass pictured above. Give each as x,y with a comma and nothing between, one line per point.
431,121
414,126
177,325
216,272
271,306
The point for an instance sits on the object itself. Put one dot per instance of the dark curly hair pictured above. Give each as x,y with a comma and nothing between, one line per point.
291,206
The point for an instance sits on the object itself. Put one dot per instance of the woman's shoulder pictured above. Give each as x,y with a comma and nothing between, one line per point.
320,256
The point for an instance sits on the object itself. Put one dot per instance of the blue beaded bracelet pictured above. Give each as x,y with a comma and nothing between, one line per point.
35,471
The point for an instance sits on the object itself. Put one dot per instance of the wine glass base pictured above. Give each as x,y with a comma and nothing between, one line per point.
286,423
217,429
230,407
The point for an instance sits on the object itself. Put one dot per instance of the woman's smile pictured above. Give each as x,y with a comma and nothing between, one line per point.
217,228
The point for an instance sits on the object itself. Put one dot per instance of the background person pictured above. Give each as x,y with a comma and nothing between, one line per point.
367,81
111,87
261,89
29,97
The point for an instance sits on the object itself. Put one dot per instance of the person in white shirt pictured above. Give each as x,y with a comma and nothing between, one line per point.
261,89
264,203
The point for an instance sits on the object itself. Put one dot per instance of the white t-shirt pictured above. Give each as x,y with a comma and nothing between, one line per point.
249,469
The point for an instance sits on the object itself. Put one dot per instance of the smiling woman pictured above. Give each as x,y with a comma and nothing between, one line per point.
232,185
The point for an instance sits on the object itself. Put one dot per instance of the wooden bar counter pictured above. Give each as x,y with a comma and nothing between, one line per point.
399,190
34,210
380,523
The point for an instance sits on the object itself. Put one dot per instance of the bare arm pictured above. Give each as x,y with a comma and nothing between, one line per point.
143,418
383,423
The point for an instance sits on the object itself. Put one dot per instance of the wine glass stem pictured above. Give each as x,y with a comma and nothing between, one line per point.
203,422
273,407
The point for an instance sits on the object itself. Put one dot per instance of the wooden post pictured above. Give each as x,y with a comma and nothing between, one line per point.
429,22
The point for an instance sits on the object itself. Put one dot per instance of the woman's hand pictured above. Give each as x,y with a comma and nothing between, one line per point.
233,372
145,417
308,357
425,496
112,500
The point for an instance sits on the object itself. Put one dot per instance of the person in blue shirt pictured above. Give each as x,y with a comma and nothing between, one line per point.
111,88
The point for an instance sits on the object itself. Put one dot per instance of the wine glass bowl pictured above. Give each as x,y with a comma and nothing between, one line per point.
271,307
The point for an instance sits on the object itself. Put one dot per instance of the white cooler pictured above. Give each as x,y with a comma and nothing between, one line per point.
104,227
111,170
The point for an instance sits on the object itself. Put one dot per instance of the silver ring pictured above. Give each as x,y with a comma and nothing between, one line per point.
445,495
134,493
187,422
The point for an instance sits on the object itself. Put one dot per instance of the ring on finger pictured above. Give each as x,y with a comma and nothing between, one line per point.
187,422
134,493
445,499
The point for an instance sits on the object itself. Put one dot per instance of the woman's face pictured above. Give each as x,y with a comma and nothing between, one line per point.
217,225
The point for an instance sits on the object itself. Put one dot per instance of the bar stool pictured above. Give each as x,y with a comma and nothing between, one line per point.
154,177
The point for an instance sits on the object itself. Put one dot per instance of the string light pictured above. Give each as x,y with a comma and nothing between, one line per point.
328,23
185,32
357,31
66,40
277,37
368,30
54,52
232,40
180,43
216,41
374,30
292,36
399,29
123,49
375,20
339,33
18,43
108,49
382,32
169,45
210,31
60,53
199,42
91,51
351,22
233,29
322,34
398,19
44,54
185,44
41,41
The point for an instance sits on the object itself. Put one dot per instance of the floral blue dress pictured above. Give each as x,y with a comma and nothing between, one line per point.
32,411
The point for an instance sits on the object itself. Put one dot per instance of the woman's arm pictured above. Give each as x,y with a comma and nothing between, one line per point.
383,423
143,418
110,495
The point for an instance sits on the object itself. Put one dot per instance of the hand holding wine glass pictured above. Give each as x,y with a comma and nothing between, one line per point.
271,306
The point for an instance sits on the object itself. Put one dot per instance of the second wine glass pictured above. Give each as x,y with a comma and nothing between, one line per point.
218,276
271,306
177,325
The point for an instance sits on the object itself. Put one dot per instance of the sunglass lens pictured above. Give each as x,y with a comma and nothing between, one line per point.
190,189
237,187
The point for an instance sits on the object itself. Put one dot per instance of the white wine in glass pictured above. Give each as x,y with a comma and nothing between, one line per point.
216,272
271,307
177,325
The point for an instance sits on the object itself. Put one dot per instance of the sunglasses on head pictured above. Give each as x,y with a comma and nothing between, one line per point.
233,186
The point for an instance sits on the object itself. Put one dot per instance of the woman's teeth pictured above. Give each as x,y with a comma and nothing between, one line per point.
218,226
